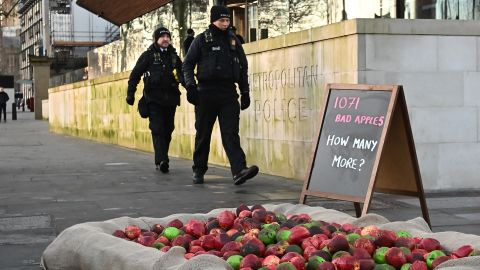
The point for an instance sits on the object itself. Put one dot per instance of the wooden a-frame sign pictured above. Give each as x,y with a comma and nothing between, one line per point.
364,145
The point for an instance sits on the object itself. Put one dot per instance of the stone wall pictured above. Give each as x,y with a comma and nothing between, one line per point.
45,109
287,78
436,61
96,110
287,75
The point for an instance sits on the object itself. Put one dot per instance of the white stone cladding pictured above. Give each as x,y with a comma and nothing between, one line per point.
439,70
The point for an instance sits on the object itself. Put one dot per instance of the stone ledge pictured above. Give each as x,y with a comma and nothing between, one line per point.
367,26
99,80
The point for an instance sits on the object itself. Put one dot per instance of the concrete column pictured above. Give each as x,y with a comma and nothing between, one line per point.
47,47
41,76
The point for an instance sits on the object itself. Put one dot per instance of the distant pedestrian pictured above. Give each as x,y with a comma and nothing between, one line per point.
161,69
188,41
221,62
234,29
3,104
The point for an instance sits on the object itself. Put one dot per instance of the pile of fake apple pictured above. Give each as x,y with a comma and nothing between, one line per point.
254,238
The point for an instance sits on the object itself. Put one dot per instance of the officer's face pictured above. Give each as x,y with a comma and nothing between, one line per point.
222,23
164,41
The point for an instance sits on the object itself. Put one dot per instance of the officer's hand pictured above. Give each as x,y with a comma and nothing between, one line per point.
244,101
130,100
192,94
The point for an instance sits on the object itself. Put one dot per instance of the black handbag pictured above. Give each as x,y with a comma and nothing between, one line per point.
143,107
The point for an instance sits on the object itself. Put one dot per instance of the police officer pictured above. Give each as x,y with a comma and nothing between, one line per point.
221,62
188,41
3,104
160,67
240,38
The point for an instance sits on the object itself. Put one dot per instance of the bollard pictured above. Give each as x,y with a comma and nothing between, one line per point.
14,111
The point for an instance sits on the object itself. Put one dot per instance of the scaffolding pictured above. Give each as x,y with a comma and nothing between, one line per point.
61,31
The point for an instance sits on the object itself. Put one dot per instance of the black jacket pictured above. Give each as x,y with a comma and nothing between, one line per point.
220,54
157,69
186,43
240,38
3,97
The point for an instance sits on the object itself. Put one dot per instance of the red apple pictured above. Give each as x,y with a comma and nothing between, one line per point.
226,219
419,265
462,251
345,262
337,243
430,244
251,261
366,244
177,223
157,228
395,257
271,260
132,232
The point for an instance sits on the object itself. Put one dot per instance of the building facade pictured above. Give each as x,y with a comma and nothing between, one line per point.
8,14
62,31
436,60
261,19
287,74
9,40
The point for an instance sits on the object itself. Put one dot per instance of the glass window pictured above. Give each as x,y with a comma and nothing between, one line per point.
273,16
253,22
457,9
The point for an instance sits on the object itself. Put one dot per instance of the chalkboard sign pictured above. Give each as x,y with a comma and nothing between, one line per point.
355,152
348,146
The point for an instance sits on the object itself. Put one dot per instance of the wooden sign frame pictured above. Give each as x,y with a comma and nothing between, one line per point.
395,168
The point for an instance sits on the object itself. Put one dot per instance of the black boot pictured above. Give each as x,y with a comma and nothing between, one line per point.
197,178
164,166
245,174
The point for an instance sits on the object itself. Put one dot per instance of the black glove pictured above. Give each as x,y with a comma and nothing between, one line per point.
244,101
130,100
192,94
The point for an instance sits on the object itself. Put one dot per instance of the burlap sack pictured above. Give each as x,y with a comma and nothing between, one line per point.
90,246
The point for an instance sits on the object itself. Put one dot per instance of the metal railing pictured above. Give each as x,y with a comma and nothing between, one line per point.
69,77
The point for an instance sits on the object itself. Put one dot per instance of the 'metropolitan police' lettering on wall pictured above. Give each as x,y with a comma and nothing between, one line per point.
287,96
277,107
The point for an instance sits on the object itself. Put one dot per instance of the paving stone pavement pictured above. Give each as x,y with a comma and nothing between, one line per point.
49,182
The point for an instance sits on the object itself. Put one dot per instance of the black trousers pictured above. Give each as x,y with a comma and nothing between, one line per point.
228,113
162,126
3,109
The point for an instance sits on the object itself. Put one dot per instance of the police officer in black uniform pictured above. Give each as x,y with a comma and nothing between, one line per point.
3,104
161,69
221,62
188,41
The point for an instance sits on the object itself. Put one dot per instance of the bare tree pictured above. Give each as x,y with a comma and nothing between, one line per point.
297,10
270,11
180,12
125,30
